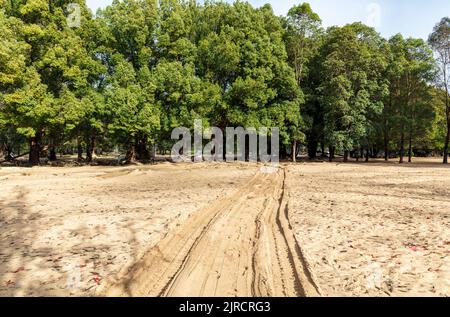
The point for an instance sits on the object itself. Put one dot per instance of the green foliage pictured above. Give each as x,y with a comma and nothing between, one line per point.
140,68
352,89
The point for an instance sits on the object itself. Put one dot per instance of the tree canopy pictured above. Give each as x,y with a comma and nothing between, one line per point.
127,76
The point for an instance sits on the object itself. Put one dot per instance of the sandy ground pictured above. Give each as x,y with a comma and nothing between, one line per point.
65,231
226,230
373,229
240,246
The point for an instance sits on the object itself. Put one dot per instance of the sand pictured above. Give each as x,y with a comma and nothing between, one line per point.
309,229
374,229
65,231
239,246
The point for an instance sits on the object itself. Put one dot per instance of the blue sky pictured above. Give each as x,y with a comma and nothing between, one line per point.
414,18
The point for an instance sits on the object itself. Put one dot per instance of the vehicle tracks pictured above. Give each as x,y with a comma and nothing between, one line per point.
240,245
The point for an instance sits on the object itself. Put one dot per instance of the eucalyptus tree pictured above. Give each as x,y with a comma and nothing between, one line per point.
242,51
303,38
303,28
440,42
351,88
129,52
56,70
13,51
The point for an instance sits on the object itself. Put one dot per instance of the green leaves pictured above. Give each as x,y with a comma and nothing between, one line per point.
352,66
143,67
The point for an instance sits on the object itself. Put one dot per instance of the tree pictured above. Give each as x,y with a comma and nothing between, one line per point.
56,69
351,88
440,42
25,103
126,77
13,50
302,38
418,71
302,31
242,52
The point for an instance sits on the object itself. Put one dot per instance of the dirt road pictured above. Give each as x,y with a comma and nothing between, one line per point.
240,245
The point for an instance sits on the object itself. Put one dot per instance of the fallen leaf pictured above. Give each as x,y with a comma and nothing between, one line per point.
97,279
9,283
20,269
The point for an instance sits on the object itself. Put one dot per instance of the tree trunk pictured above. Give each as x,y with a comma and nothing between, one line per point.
79,150
447,113
131,154
52,153
367,154
386,148
35,149
90,149
294,151
331,150
402,147
8,153
386,132
142,152
446,145
312,148
154,151
410,153
374,152
345,156
447,138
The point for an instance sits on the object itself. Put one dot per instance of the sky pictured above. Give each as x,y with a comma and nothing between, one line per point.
412,18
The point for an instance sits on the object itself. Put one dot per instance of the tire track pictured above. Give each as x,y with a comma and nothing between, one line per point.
241,245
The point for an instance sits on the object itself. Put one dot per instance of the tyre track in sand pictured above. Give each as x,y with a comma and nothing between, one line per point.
241,245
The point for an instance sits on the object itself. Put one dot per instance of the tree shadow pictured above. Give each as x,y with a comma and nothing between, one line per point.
30,269
14,243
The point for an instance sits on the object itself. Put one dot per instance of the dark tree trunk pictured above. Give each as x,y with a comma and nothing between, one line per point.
8,153
386,133
131,154
367,154
447,113
79,150
52,153
346,156
386,148
312,148
447,138
446,145
332,150
142,152
35,149
246,149
402,147
357,155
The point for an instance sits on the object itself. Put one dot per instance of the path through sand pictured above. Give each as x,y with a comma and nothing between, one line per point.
241,245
